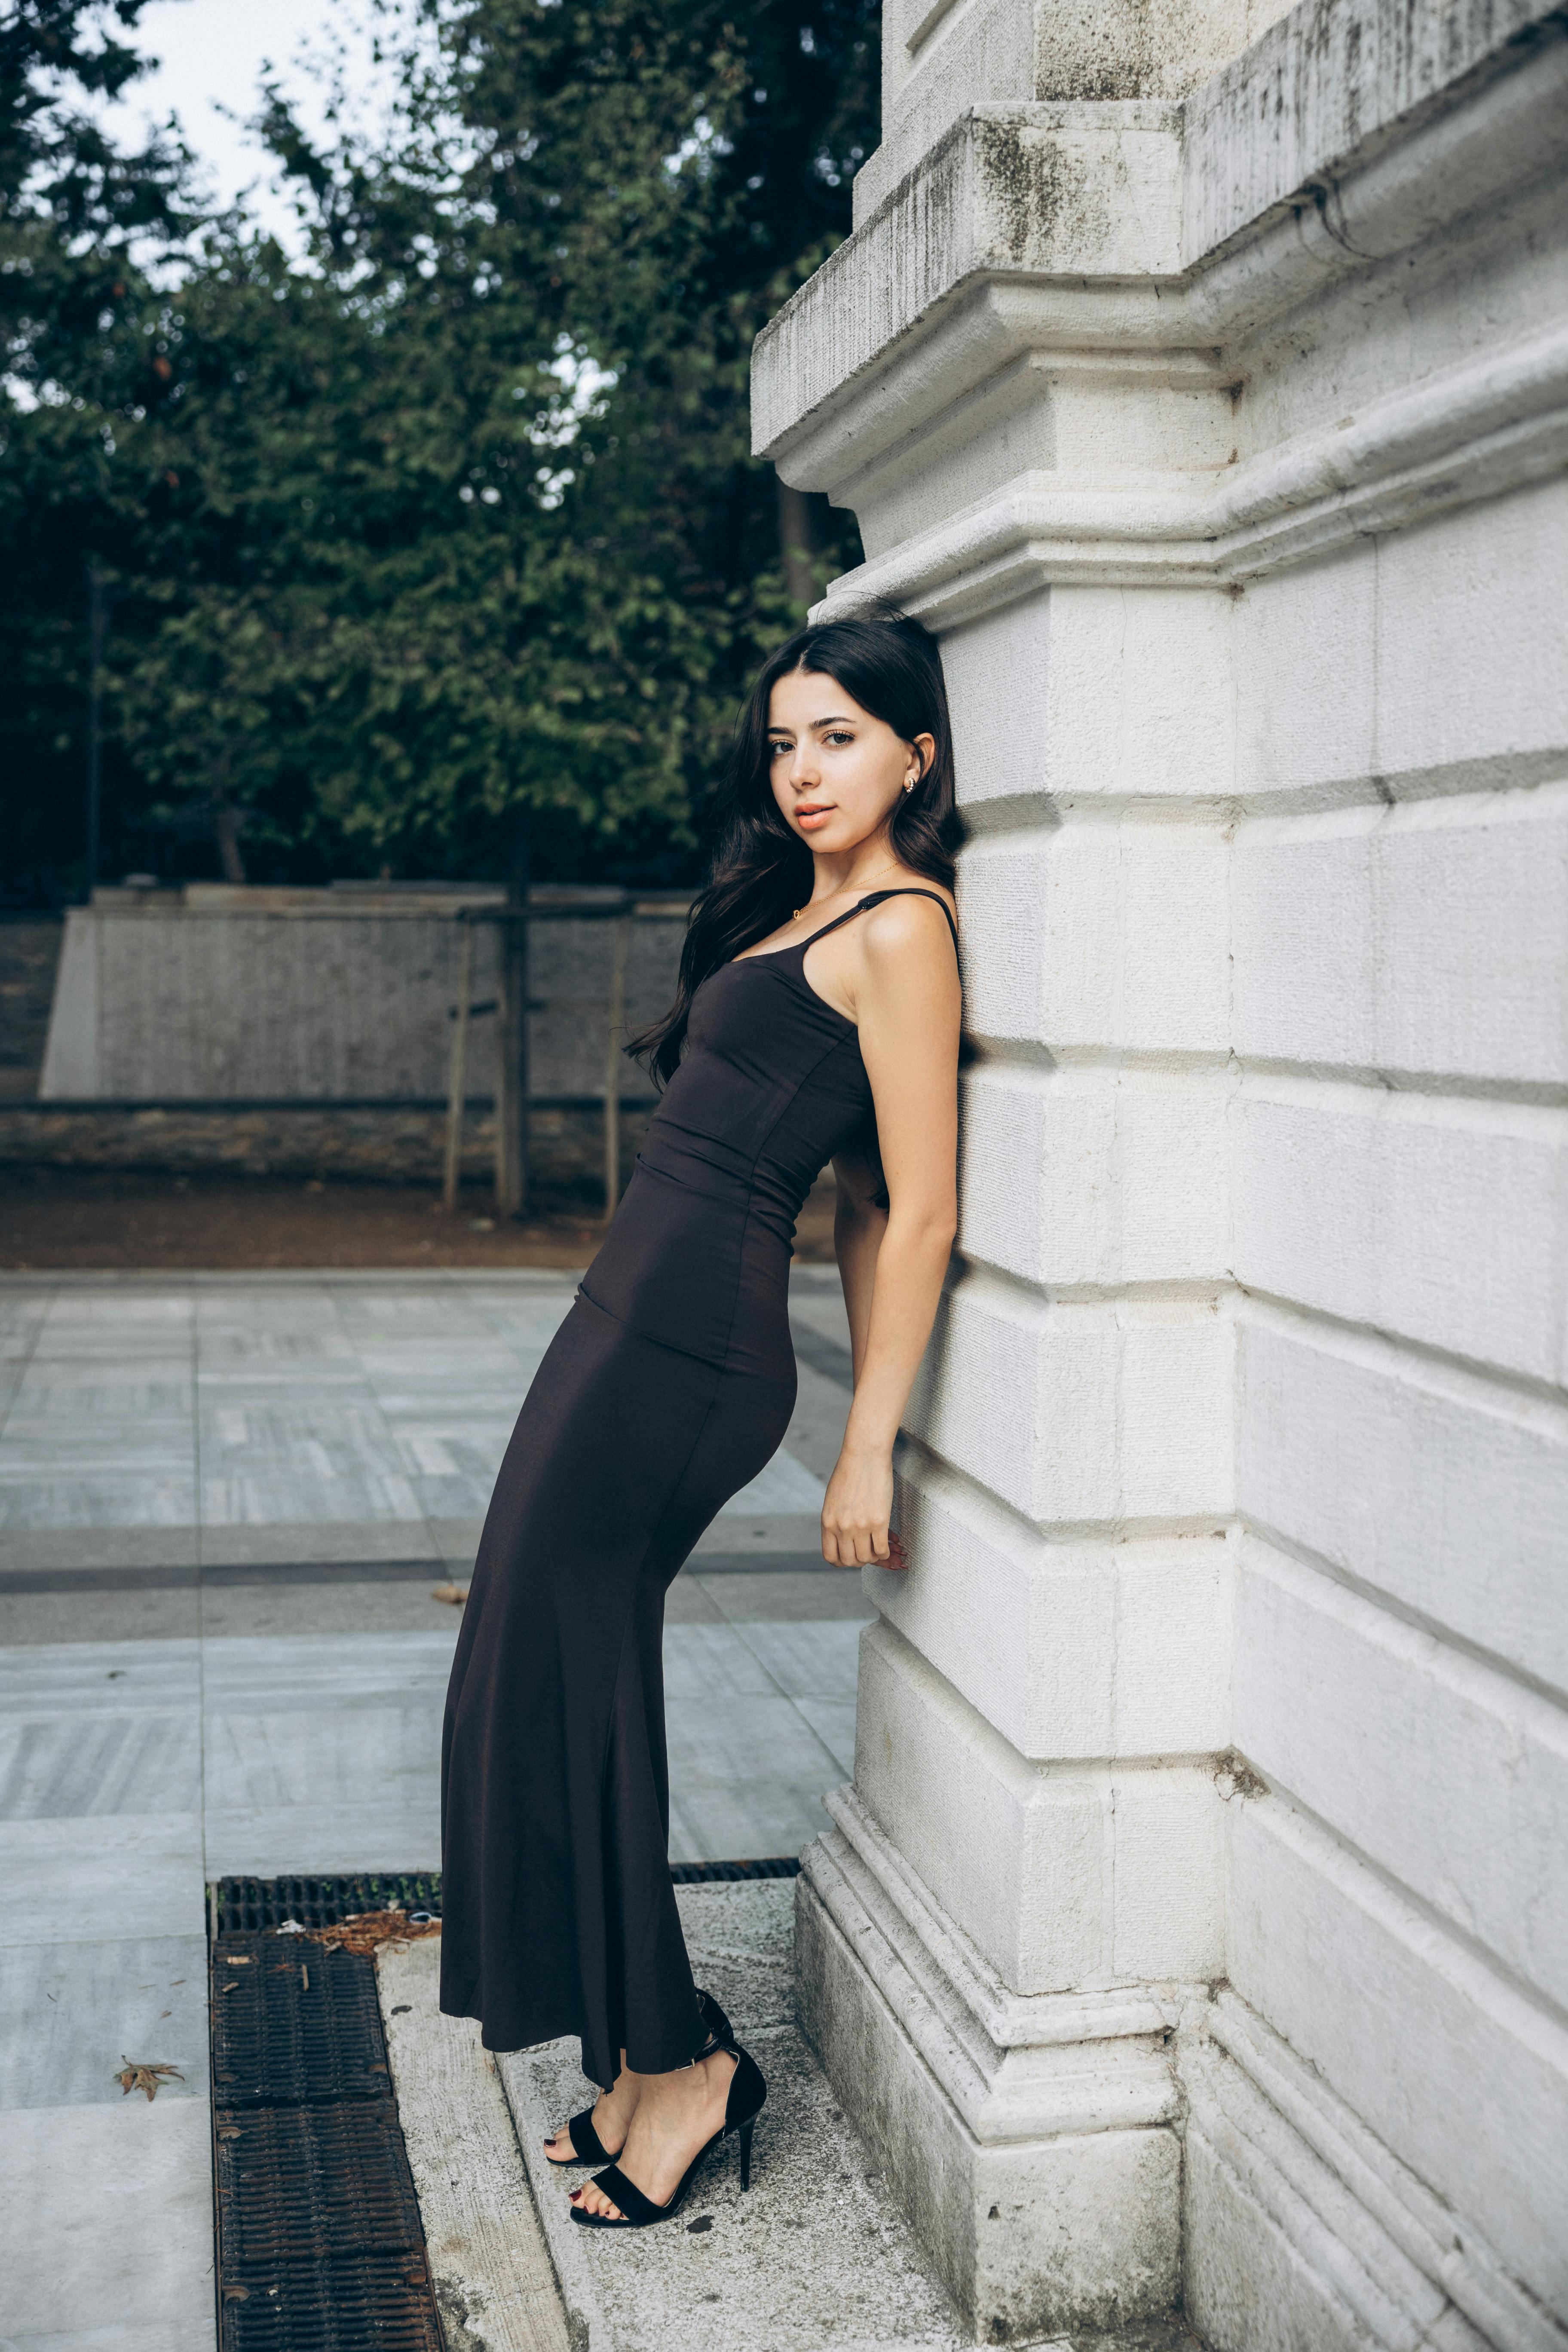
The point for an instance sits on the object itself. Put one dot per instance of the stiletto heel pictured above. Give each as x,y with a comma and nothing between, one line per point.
743,2105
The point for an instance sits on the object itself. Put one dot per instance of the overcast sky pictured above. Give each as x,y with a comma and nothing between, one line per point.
213,54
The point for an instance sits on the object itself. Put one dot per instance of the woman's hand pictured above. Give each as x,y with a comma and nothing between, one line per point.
858,1505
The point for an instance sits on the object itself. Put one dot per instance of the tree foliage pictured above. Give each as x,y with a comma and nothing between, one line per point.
445,531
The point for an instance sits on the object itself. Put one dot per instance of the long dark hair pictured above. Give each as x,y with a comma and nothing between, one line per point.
760,870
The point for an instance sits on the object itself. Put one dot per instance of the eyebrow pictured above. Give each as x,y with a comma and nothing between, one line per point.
813,724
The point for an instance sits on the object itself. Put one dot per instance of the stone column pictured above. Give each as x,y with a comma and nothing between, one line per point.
1137,367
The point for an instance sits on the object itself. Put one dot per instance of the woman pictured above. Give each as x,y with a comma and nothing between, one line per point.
817,1018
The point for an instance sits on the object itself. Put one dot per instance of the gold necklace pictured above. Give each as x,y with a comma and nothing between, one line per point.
806,909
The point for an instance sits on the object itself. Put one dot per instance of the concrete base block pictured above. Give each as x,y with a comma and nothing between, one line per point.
1072,2224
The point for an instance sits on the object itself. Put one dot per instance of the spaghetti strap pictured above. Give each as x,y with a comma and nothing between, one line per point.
875,900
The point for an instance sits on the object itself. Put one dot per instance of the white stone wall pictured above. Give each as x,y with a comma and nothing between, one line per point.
1218,1741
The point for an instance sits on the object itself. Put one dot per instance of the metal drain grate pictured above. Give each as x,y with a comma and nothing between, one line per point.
237,1904
310,2185
319,2245
294,2024
379,2300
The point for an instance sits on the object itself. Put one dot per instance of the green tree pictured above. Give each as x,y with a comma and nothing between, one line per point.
452,529
81,226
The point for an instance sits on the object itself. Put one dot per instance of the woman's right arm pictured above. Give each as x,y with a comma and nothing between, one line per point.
858,1225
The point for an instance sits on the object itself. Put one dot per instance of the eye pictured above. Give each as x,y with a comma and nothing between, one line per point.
777,750
839,735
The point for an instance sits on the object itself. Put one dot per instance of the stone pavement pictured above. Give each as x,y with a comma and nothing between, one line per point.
223,1502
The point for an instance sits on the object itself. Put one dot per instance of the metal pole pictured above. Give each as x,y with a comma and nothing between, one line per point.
98,630
614,1039
457,1081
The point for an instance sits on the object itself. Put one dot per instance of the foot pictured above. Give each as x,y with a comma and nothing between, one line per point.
613,2112
677,2115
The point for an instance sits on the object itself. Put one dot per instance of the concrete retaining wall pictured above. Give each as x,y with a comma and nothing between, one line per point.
30,959
216,993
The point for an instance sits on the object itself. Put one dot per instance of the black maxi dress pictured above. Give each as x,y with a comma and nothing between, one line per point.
667,1389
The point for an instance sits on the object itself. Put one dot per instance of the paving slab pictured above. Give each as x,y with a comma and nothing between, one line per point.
807,1659
65,1880
94,1677
746,1531
747,1775
833,1721
299,1610
55,1766
73,1545
72,2014
43,1620
259,1676
686,1603
817,1593
331,1840
814,2258
120,2197
292,1542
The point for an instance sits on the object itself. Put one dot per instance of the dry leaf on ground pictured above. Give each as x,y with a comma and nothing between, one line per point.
368,1930
145,2078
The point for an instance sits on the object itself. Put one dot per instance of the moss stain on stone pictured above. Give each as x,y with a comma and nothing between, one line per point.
1042,194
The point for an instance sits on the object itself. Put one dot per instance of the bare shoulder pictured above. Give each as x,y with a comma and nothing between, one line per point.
908,929
911,918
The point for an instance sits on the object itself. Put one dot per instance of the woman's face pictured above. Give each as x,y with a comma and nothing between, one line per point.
836,772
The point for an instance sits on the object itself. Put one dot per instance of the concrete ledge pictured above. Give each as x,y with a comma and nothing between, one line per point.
494,2283
1326,84
1127,192
813,2260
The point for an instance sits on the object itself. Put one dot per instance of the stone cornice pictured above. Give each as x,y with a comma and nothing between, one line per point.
1471,432
1116,226
1319,92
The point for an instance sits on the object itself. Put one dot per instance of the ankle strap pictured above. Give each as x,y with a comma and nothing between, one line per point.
715,2041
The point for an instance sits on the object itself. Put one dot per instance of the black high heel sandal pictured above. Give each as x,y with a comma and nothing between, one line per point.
588,2148
741,2108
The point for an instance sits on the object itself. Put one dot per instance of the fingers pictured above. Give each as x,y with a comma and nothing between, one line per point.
859,1547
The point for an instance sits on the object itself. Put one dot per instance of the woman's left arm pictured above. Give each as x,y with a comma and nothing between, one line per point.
909,1010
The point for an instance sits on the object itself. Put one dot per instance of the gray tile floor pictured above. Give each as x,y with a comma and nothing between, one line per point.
223,1504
